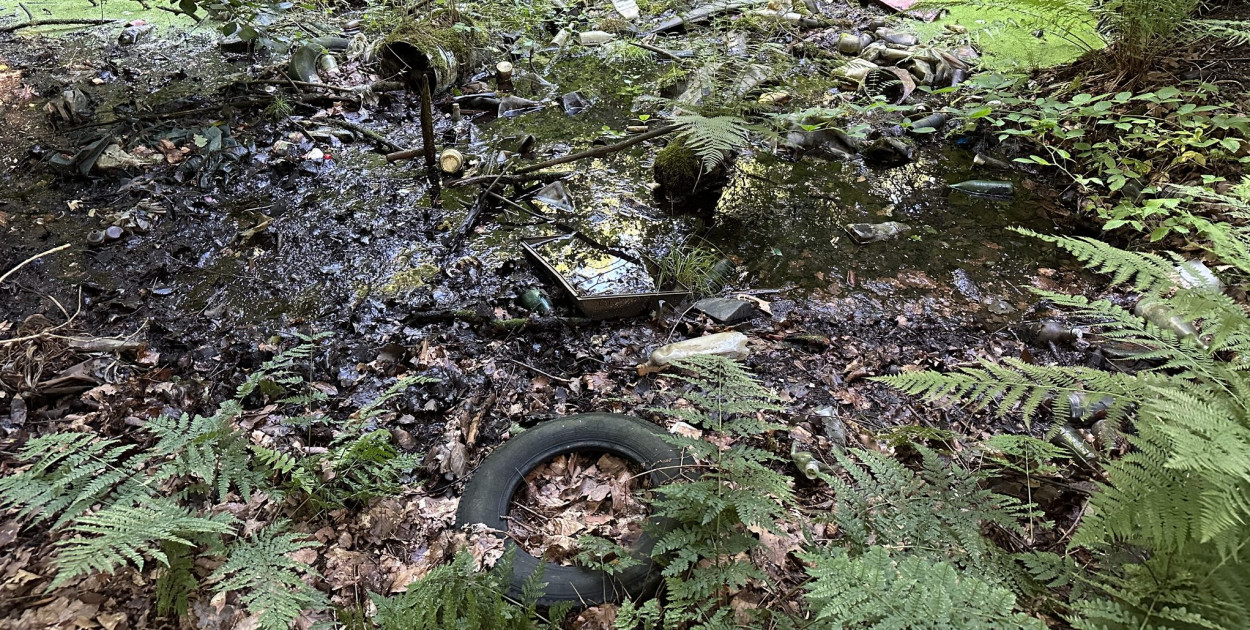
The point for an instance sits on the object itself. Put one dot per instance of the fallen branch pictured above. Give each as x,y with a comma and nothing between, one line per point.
405,154
376,137
660,51
600,151
303,84
540,372
55,22
545,178
511,325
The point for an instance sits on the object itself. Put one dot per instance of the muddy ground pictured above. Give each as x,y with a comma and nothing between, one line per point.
225,256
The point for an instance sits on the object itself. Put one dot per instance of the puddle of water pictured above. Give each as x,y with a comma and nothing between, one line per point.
592,271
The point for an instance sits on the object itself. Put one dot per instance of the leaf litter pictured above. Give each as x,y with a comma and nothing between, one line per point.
577,495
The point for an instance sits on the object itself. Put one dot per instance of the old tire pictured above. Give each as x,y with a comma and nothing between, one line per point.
489,492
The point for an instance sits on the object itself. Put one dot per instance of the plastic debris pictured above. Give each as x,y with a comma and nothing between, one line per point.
727,344
986,188
864,233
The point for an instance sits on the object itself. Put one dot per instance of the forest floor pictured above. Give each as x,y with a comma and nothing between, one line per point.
241,229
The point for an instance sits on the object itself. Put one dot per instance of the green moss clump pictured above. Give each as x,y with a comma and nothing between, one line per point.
408,279
449,50
616,25
677,168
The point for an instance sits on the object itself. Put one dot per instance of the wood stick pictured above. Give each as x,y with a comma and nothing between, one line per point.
53,22
32,259
600,151
376,137
507,179
540,372
406,154
427,128
304,84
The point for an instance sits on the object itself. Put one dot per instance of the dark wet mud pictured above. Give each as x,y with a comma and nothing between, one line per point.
290,227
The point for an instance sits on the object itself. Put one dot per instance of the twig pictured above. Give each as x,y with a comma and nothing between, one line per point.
406,154
507,179
471,436
376,137
47,332
600,151
538,371
657,50
304,84
32,259
54,21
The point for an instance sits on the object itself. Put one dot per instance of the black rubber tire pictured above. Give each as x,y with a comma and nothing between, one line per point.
489,492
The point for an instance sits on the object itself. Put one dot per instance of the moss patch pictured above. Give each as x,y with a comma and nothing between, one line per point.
408,279
449,50
677,167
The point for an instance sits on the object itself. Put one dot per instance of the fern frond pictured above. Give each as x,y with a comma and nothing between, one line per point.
1146,272
119,535
1235,32
712,139
1018,383
73,472
269,580
876,590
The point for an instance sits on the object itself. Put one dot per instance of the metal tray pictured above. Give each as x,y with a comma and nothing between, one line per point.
608,306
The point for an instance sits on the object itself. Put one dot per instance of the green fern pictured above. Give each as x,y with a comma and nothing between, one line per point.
72,472
1178,500
176,581
270,582
739,489
208,449
878,590
115,503
120,535
712,139
457,596
937,513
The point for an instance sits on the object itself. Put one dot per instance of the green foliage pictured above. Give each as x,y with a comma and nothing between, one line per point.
714,139
73,472
118,535
879,590
604,555
115,504
937,512
365,466
206,452
1172,520
1136,32
696,267
364,463
458,596
712,515
270,581
176,581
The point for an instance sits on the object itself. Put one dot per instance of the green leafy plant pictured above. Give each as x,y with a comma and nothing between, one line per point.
147,503
458,596
714,139
604,555
1136,32
738,490
363,464
1171,522
879,590
691,265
